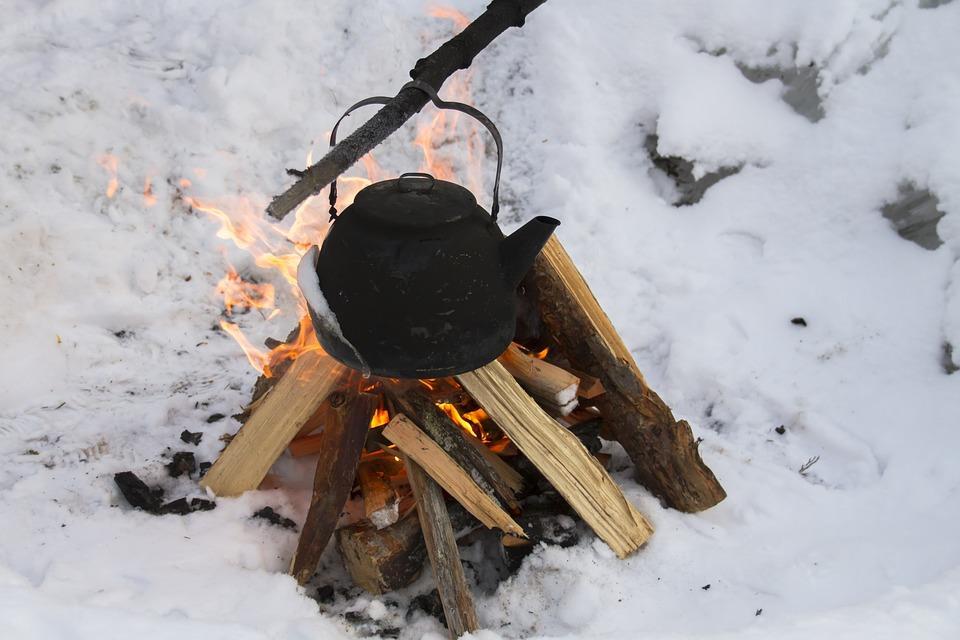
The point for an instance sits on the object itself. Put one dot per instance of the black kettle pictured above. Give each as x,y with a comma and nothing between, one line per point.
415,279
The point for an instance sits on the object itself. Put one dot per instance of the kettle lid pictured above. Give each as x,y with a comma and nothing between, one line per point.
414,199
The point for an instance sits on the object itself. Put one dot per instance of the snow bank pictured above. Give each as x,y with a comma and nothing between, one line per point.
112,347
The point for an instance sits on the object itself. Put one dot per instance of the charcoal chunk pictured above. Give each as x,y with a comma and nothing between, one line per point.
191,437
183,463
137,493
271,516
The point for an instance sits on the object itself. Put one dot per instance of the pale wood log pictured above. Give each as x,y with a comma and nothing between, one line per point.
336,470
558,411
543,380
454,441
560,457
441,544
663,449
381,505
278,417
415,444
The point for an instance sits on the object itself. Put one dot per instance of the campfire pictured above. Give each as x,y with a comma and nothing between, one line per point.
507,447
405,465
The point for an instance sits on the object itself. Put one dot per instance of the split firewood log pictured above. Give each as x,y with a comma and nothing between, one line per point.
560,457
415,444
456,443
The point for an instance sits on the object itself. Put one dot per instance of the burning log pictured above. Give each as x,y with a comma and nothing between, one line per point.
509,475
381,505
454,441
549,383
455,54
562,459
662,448
336,471
441,544
415,444
277,418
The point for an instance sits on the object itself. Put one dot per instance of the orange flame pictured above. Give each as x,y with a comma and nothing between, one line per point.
237,292
272,248
111,163
381,416
148,198
459,20
469,422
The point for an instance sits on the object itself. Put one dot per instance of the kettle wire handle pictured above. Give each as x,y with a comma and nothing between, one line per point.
440,104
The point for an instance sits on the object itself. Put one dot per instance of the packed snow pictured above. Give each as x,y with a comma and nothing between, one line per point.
112,345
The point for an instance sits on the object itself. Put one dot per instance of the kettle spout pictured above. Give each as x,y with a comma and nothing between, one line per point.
520,248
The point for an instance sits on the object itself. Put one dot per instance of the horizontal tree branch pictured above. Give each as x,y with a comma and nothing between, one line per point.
457,53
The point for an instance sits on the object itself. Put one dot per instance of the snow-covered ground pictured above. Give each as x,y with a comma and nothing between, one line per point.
111,346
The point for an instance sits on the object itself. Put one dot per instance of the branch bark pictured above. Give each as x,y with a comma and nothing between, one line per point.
663,449
457,53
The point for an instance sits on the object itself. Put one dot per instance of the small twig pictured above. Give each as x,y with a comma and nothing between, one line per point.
809,463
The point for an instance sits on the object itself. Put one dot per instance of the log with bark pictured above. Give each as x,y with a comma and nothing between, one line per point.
663,449
457,53
336,470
